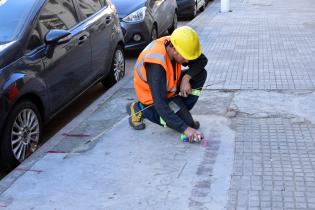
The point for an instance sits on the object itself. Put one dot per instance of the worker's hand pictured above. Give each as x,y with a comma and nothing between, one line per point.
185,86
193,134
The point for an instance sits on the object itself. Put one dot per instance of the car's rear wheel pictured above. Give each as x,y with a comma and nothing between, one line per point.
203,6
174,25
21,135
154,33
117,71
194,12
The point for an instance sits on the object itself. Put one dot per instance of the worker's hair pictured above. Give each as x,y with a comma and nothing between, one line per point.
168,43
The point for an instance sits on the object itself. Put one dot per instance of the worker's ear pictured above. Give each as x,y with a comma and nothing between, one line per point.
173,51
167,42
170,50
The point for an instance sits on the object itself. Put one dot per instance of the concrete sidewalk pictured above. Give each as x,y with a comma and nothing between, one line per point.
259,124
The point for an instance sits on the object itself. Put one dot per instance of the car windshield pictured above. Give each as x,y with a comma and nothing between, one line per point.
13,14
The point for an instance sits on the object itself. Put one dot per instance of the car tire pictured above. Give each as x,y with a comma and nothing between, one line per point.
154,33
21,135
117,69
203,7
194,14
174,24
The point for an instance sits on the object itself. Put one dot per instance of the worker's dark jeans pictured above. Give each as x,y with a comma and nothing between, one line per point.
185,104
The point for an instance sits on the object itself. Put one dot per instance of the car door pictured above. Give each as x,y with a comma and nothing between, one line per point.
68,65
163,14
99,22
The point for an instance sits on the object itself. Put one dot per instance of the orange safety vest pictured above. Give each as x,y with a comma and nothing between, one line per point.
156,53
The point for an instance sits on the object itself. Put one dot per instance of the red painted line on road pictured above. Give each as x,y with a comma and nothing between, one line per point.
55,151
76,135
31,170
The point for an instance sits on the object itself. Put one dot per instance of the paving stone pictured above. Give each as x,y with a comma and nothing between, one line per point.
258,51
283,184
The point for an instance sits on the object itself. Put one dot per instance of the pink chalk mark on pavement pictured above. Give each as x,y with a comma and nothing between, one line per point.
204,143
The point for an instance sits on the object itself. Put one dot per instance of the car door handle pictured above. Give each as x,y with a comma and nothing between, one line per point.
108,20
82,39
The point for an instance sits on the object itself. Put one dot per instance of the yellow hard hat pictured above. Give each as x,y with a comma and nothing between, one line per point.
186,42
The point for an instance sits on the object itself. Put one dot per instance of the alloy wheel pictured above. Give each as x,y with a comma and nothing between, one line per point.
119,65
154,33
195,9
25,134
175,21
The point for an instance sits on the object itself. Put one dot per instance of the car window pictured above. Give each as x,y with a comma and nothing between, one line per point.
89,7
35,40
13,16
55,14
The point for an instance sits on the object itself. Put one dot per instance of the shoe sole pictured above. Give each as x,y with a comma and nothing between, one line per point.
141,126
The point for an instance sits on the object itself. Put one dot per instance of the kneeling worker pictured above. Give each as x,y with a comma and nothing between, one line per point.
166,93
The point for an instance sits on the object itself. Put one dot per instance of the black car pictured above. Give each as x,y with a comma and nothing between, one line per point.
145,20
189,8
50,52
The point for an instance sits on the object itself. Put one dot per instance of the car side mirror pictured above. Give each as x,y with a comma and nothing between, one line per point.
57,36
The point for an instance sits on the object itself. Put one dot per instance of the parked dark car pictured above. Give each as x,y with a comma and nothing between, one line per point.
190,8
50,52
145,20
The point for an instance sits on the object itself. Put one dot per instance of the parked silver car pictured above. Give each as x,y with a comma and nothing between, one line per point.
190,8
144,20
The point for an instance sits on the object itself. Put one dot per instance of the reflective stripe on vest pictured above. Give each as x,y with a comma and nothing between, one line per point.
150,46
151,55
155,53
195,92
173,89
162,122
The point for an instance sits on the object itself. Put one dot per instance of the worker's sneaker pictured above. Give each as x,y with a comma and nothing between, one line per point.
135,117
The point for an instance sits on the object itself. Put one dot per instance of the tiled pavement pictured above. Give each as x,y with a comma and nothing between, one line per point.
268,45
273,165
265,45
